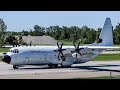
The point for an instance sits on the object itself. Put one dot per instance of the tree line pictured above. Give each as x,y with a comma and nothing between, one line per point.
83,34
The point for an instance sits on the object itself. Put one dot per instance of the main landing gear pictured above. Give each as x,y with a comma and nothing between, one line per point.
56,65
68,66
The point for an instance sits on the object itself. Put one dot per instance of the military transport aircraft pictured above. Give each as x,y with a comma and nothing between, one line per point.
61,55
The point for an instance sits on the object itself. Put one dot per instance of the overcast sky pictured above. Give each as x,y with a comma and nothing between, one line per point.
25,20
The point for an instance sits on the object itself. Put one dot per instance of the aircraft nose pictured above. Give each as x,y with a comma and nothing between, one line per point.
6,59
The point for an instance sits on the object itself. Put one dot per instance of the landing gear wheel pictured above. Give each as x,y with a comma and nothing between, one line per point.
15,66
50,65
56,65
65,66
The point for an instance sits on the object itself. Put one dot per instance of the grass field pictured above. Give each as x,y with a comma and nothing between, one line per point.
107,57
102,77
4,49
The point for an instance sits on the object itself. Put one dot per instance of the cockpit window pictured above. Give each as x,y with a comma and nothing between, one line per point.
14,51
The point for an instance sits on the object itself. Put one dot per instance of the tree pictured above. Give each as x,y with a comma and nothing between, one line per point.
25,33
117,34
12,40
3,28
38,31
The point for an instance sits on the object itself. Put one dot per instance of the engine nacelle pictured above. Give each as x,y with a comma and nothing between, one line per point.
68,61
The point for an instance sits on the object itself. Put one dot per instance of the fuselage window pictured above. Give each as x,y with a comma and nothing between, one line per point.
16,50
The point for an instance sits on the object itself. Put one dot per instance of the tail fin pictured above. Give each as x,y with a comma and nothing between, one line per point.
106,35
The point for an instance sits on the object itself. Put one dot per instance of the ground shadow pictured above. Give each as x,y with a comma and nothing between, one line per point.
96,68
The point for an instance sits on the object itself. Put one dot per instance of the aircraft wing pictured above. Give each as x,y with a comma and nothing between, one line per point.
101,47
69,51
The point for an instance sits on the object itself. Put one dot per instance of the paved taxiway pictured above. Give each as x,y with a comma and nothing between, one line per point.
89,69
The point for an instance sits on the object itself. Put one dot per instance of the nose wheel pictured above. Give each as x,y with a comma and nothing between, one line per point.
15,66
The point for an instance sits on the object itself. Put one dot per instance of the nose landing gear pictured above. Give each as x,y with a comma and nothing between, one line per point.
15,66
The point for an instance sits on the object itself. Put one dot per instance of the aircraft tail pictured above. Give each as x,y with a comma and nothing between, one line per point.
106,35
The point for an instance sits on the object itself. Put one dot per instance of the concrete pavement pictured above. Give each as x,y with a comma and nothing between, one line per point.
85,70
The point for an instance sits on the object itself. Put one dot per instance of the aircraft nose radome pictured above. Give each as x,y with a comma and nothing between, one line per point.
6,59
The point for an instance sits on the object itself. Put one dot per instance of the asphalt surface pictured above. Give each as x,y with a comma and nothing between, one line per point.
85,70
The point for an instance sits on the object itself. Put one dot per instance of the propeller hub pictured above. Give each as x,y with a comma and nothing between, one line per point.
77,49
60,50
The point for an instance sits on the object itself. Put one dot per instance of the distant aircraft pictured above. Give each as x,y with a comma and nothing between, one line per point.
61,55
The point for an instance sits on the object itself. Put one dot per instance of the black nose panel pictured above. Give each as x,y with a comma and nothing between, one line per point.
6,59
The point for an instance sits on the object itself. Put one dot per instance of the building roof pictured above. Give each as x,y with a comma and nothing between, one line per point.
39,40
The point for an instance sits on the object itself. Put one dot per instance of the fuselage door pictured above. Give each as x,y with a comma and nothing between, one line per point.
27,60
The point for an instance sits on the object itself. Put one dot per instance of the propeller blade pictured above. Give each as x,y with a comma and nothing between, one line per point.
80,53
58,45
78,44
61,45
63,49
60,50
61,53
76,55
58,56
74,44
30,43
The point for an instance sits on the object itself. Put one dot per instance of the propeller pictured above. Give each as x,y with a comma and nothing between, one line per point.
77,49
60,49
30,43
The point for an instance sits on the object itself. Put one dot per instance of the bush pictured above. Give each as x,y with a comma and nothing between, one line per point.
1,45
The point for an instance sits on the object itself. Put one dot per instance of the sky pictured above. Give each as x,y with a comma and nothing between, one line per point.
25,20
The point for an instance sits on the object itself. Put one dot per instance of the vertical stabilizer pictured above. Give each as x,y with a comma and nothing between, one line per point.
106,35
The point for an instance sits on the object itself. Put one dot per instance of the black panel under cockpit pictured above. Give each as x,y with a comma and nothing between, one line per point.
6,59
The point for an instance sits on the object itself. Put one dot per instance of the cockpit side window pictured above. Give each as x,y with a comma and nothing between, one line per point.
17,51
14,51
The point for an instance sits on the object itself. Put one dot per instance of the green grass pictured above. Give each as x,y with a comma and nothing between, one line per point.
4,49
107,57
101,77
